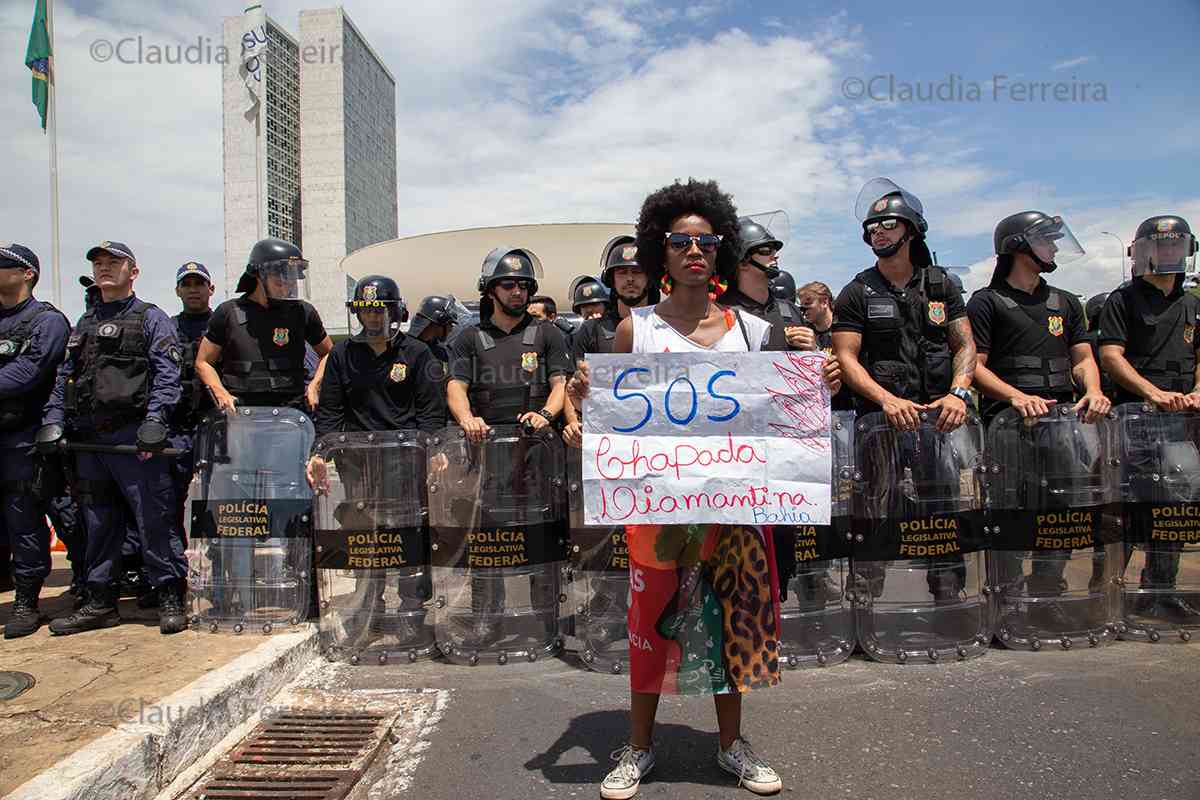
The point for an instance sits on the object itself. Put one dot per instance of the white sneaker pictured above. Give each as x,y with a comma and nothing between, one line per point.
753,773
632,765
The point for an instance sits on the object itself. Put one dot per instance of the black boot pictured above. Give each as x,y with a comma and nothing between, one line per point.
172,617
6,581
24,618
99,612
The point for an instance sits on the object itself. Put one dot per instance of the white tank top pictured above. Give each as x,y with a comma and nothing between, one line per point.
652,334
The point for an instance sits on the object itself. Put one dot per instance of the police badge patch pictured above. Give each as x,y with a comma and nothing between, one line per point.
1163,225
1189,333
1055,326
937,312
529,362
588,291
108,330
880,204
629,253
370,292
280,338
8,348
399,372
175,353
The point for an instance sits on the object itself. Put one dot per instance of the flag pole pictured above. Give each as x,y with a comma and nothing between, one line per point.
52,131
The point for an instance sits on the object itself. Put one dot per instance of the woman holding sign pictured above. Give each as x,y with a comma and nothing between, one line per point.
704,614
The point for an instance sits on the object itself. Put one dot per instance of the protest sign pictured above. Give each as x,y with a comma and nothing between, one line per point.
731,438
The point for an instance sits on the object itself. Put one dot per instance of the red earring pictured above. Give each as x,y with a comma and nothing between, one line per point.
717,287
665,284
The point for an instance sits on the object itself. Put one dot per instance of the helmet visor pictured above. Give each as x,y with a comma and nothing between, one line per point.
373,320
1169,253
283,280
776,222
875,190
1051,240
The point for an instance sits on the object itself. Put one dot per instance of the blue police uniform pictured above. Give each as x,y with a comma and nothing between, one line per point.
189,328
121,371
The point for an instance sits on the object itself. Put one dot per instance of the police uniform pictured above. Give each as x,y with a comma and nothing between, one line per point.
905,346
1027,338
595,336
905,349
262,349
193,400
399,389
508,373
121,370
33,337
1158,332
780,313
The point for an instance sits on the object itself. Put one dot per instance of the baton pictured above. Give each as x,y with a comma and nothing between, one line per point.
117,449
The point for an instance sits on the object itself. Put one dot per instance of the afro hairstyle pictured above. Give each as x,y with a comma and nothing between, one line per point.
661,208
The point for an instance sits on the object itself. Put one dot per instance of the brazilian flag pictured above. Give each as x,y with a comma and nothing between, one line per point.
37,58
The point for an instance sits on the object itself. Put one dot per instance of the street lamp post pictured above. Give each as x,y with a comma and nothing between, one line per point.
1121,242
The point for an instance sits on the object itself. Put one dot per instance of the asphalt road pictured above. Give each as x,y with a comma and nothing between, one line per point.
1116,722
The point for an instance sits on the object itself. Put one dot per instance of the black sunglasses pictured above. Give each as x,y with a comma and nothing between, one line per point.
707,242
886,224
509,285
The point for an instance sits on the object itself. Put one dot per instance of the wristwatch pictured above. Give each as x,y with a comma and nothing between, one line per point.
546,414
962,394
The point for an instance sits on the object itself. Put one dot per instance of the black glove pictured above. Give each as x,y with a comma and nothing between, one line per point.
151,436
48,439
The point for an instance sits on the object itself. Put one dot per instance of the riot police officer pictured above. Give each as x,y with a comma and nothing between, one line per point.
510,367
901,334
254,347
380,379
544,307
1033,351
194,288
432,324
33,337
1148,345
1019,319
751,290
589,297
783,287
118,386
629,288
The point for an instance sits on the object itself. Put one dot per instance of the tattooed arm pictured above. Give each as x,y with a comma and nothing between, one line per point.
962,349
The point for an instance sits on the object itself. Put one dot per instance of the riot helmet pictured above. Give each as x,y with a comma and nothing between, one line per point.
504,264
586,291
621,251
1092,309
956,282
1163,245
376,311
883,202
1047,239
760,248
783,287
280,267
434,310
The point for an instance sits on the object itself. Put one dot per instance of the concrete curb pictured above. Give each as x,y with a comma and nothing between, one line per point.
140,758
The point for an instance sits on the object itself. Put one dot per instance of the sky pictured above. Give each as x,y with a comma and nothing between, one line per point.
531,111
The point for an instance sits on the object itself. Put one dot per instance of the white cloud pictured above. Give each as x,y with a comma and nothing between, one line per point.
1071,63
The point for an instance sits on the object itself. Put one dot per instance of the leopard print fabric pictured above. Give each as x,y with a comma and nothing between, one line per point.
739,571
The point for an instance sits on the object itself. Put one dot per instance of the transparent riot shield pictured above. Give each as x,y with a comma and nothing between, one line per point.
1055,533
599,570
249,520
917,521
372,547
816,616
1160,483
497,513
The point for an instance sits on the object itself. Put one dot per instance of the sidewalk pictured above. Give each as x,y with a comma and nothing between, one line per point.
90,683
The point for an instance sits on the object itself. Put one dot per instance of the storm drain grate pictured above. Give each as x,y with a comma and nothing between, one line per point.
306,786
300,755
317,739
